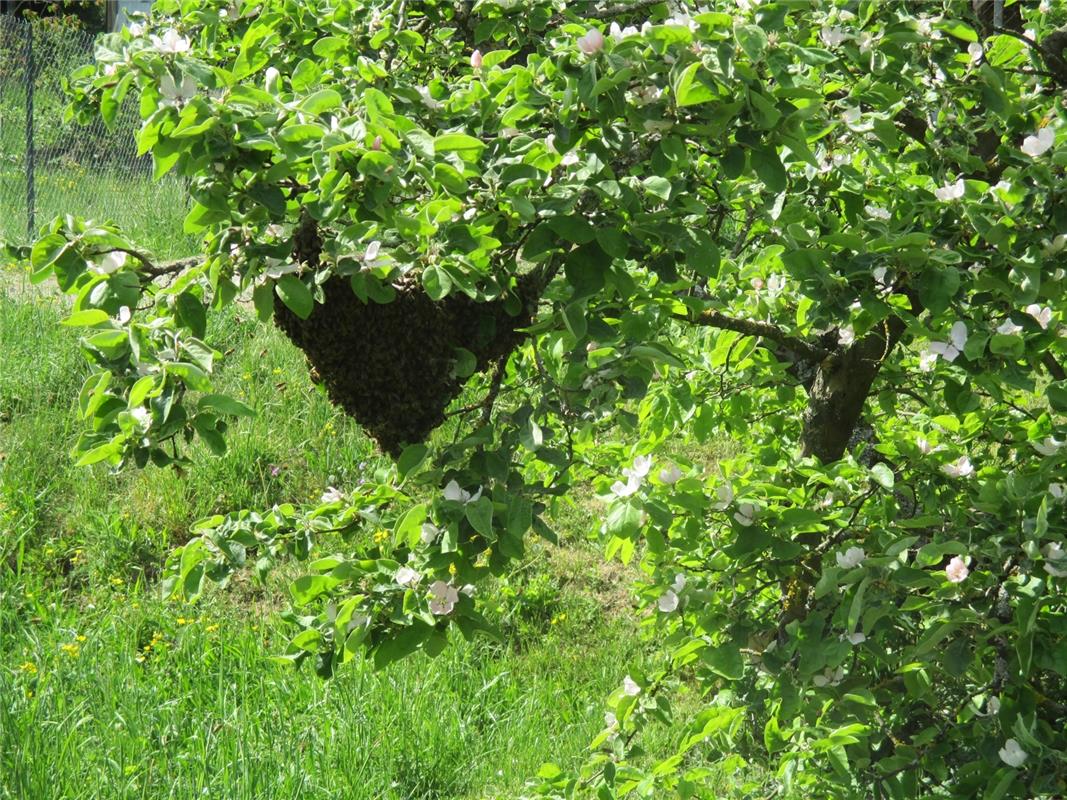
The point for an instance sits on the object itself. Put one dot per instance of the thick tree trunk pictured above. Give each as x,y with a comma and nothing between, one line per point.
841,387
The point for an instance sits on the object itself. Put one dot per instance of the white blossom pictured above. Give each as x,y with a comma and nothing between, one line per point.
877,212
957,571
176,95
832,37
851,558
110,263
644,95
610,720
668,601
125,315
853,638
1039,142
332,495
829,677
1012,754
725,494
592,43
951,191
679,582
170,42
445,597
846,336
1008,328
429,533
974,50
428,99
1048,446
951,349
670,474
1043,316
746,514
456,494
618,34
960,468
406,576
1057,490
136,29
620,489
630,687
924,445
642,464
992,705
634,477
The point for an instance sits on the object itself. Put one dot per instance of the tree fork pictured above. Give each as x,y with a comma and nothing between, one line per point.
841,387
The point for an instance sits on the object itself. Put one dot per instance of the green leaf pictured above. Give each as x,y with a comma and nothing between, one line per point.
437,282
480,515
322,101
87,318
883,475
725,660
410,459
296,296
689,91
657,186
468,147
222,404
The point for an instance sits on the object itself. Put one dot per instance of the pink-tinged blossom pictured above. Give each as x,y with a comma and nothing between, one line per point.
630,687
1009,328
445,596
957,571
476,59
592,43
406,576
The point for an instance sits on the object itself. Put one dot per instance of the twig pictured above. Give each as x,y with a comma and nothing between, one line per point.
714,319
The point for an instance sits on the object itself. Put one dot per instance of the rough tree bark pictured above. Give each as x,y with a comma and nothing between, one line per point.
841,387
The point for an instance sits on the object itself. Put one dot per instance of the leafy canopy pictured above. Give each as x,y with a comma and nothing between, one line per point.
826,237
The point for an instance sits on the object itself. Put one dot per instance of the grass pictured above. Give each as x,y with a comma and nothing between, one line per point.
106,691
150,212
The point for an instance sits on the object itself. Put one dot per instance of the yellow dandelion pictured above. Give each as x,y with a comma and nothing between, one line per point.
81,637
451,569
28,667
72,650
211,628
381,536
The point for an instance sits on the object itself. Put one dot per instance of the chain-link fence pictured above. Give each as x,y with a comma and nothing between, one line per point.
48,167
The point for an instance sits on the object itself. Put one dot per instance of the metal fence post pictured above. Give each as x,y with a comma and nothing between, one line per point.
30,80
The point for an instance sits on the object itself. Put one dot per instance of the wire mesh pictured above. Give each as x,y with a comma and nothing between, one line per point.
50,167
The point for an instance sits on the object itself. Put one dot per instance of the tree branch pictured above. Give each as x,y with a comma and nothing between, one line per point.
714,319
1054,367
624,8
